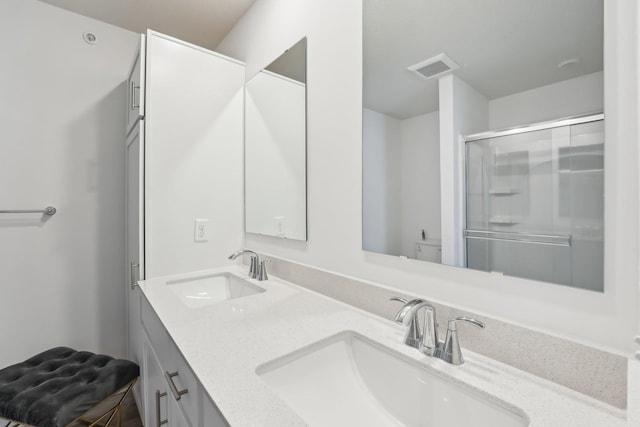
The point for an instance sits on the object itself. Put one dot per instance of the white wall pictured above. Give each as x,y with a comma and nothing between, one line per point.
463,111
334,30
62,129
275,156
401,182
193,156
382,184
574,97
420,152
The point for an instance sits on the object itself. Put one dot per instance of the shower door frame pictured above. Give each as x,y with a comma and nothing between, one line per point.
569,121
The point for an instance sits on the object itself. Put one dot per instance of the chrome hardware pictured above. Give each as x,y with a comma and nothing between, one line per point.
508,236
262,271
177,394
49,210
450,351
536,127
159,422
426,340
132,274
133,96
255,261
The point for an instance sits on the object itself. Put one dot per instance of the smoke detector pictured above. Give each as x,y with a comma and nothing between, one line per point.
434,66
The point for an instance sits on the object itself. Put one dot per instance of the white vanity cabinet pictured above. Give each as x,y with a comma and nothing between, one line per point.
184,156
134,246
172,392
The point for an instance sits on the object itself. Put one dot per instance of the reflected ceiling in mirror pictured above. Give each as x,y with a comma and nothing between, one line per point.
496,65
275,147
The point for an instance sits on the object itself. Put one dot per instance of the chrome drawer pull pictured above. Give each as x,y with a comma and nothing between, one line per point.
158,415
177,394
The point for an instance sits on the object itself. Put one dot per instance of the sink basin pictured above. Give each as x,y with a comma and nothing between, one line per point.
349,380
206,290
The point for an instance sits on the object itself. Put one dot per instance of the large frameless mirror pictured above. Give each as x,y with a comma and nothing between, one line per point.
275,147
483,136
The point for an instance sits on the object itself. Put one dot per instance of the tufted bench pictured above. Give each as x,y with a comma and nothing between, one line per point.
55,387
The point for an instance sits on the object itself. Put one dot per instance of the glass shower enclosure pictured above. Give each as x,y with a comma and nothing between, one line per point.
535,202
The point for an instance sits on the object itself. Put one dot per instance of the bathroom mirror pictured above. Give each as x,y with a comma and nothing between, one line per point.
441,182
275,147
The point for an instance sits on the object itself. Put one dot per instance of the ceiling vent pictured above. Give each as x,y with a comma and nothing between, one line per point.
434,67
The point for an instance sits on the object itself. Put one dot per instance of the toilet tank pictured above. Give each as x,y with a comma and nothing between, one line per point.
429,250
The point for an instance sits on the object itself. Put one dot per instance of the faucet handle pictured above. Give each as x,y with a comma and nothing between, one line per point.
450,351
451,326
262,270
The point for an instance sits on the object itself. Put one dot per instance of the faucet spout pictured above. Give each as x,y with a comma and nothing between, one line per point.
425,340
255,261
242,252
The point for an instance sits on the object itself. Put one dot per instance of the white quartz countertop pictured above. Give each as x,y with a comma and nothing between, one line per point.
225,343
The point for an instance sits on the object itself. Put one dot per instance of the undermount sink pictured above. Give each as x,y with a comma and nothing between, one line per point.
201,291
348,380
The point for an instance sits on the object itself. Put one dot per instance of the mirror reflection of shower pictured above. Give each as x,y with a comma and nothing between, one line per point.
427,85
560,237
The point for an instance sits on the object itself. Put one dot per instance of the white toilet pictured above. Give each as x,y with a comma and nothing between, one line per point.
429,250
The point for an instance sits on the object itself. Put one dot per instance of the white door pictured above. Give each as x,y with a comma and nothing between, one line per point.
135,246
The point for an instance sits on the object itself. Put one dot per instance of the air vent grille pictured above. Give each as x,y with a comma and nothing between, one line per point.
434,67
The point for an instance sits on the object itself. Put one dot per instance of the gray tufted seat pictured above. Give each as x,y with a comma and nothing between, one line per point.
57,386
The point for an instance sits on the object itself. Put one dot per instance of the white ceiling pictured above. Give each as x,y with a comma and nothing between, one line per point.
201,22
501,46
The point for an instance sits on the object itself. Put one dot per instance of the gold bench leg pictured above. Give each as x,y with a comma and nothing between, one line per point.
114,412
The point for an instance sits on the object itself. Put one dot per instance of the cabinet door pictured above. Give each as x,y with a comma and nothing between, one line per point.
176,417
183,379
156,392
134,249
135,87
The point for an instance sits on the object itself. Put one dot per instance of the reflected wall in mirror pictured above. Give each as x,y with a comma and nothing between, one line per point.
275,147
440,182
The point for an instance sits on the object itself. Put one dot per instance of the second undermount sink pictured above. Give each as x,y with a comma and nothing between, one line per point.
201,291
348,380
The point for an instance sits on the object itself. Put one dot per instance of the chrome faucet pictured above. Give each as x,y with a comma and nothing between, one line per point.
426,340
262,270
254,264
450,351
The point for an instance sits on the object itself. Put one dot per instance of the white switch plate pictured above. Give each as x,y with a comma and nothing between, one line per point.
278,223
201,230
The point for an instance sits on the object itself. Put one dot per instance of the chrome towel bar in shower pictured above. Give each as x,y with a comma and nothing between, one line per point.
519,237
49,210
